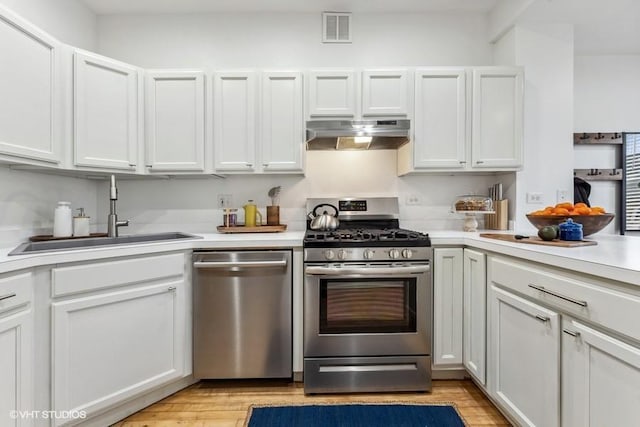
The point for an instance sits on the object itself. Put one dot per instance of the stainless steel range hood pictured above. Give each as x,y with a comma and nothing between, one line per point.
357,134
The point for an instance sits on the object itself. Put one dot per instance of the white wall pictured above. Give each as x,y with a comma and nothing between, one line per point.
28,199
607,99
191,204
70,21
282,40
546,52
607,93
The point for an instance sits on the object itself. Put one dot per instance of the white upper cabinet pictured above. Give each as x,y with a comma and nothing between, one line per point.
281,127
466,119
348,94
257,121
440,119
175,126
30,91
234,121
105,112
332,93
384,93
497,116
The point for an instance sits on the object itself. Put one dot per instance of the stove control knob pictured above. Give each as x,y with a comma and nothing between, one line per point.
329,254
342,254
368,254
394,254
407,253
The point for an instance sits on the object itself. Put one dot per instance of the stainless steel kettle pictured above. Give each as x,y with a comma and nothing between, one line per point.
324,221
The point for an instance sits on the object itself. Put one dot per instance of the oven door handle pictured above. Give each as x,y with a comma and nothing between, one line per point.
365,271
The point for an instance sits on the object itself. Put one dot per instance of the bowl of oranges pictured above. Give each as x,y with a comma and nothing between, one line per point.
593,219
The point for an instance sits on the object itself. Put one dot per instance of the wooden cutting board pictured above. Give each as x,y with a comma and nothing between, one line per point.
535,240
257,229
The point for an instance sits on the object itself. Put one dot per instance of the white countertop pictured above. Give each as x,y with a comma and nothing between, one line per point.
614,257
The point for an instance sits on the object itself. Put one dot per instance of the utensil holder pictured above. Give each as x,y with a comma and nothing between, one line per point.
273,215
500,219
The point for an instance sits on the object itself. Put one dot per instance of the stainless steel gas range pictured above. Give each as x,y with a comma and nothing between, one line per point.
367,301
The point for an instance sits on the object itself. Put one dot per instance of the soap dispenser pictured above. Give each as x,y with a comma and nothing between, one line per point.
81,224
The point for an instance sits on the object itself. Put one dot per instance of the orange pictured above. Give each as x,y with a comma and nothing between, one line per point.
583,210
597,209
580,205
560,211
566,205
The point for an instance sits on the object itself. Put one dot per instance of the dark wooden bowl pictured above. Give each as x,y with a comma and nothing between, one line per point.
590,223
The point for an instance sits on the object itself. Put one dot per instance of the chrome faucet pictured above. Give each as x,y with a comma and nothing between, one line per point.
113,223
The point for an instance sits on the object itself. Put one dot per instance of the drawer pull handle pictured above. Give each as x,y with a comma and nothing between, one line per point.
171,288
574,334
557,295
542,318
4,297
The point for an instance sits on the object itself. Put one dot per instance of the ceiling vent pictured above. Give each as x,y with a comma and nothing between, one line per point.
336,27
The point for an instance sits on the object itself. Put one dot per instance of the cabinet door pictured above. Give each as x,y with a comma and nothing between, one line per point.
332,93
440,119
175,120
105,112
234,120
600,378
384,93
524,374
108,347
16,387
474,320
447,306
497,131
282,123
16,348
30,92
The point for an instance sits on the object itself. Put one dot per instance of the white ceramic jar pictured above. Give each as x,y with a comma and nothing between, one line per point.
63,220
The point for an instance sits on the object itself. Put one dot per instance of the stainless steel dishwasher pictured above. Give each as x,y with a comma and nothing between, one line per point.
242,314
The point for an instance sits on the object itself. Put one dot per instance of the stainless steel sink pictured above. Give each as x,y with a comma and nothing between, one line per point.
74,244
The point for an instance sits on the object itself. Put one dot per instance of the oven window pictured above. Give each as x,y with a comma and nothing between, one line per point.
367,306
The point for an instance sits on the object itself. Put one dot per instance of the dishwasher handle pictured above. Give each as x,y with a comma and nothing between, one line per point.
239,264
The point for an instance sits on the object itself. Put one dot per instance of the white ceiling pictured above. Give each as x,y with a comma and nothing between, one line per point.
601,26
106,7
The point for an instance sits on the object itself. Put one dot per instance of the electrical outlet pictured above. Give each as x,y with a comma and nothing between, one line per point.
413,200
562,196
534,198
224,201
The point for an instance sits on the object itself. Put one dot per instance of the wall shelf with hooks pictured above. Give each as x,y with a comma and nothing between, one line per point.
599,174
584,138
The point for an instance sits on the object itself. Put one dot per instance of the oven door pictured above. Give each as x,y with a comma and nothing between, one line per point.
373,309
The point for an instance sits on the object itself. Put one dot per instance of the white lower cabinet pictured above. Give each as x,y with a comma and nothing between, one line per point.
474,314
123,340
600,378
16,349
524,359
447,307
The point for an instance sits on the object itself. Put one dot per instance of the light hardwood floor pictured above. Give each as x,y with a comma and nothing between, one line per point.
226,403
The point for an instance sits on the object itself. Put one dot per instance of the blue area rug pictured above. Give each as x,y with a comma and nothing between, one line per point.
356,415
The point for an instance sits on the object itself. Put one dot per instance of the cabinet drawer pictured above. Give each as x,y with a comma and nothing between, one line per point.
95,276
15,291
582,298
